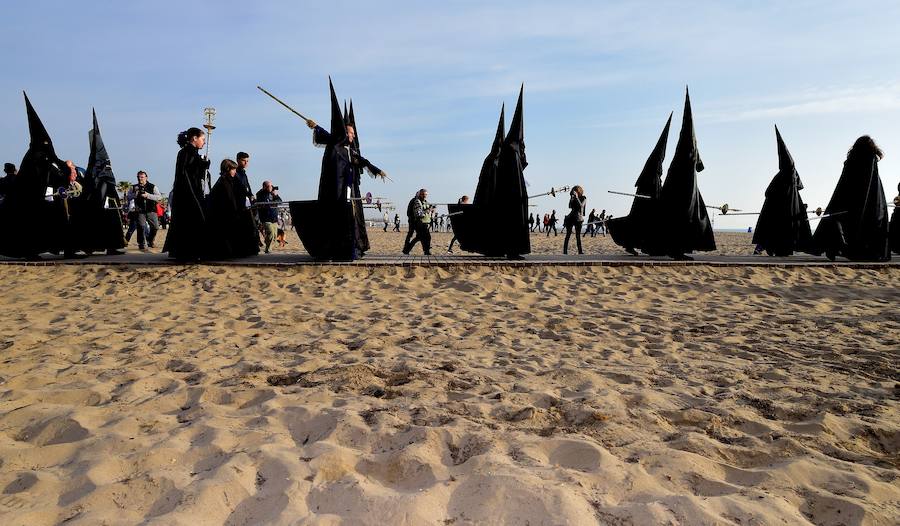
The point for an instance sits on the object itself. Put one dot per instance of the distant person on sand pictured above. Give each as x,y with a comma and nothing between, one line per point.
146,197
601,225
387,220
396,223
267,213
591,226
552,224
531,222
546,222
421,219
464,200
575,218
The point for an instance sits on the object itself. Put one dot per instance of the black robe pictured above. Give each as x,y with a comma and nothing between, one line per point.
682,225
783,224
632,231
894,228
232,232
99,221
858,228
186,239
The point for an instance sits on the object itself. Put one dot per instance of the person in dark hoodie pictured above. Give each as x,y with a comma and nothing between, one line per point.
894,228
575,218
232,231
855,223
783,224
333,227
186,238
681,208
27,201
100,222
501,198
633,231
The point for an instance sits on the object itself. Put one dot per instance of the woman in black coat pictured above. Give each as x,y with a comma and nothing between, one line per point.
575,218
186,240
233,232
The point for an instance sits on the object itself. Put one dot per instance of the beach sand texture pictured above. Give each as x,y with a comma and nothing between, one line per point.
471,395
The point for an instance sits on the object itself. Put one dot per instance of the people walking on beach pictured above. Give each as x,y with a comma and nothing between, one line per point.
552,224
531,222
546,223
464,200
591,228
601,225
266,200
421,219
387,220
575,218
396,223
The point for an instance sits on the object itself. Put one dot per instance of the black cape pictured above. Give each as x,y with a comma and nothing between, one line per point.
333,226
783,224
860,231
682,225
29,223
232,231
633,230
894,228
99,221
496,223
186,239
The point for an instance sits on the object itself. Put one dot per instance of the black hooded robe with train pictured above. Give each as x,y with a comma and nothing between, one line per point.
29,223
233,232
783,224
855,223
682,224
186,239
498,225
632,231
99,222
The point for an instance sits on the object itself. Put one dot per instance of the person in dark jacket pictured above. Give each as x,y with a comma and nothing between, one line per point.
186,238
267,212
855,223
232,230
894,228
575,218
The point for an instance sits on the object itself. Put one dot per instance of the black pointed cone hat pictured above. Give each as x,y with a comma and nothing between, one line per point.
338,131
38,133
517,127
653,167
785,161
352,122
98,157
687,140
346,115
501,130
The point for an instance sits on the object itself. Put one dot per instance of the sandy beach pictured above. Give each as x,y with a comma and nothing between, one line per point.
470,395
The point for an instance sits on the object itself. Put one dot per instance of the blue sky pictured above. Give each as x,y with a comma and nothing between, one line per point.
428,79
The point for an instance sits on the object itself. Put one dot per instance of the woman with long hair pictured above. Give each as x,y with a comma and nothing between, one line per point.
575,218
186,240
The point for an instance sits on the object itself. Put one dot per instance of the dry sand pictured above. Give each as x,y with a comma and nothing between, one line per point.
471,395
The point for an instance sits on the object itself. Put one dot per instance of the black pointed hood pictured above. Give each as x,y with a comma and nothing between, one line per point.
516,133
352,122
39,136
501,131
98,160
346,116
338,131
650,179
785,160
687,140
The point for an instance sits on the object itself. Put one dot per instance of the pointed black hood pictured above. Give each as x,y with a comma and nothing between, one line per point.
352,122
501,131
516,136
98,160
785,161
687,140
338,131
650,179
346,116
40,139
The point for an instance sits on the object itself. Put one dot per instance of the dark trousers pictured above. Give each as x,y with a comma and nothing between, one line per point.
452,242
409,233
569,228
149,224
132,225
423,235
553,226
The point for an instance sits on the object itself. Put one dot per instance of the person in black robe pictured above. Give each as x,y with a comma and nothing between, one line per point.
186,240
99,222
332,227
232,229
783,224
855,223
894,228
632,231
31,222
682,224
496,223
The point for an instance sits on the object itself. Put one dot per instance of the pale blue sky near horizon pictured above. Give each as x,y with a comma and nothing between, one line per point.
427,81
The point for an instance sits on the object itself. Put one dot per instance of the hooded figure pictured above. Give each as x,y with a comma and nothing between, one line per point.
501,199
894,228
333,226
27,202
233,233
855,223
632,231
783,225
683,225
99,222
466,218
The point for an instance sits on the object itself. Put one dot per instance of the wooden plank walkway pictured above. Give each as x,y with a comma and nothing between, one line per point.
464,260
